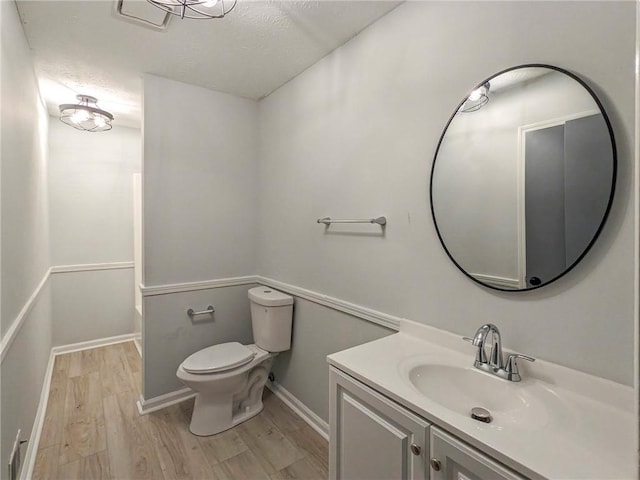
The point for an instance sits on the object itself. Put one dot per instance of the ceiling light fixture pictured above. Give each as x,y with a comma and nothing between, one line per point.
86,115
477,99
197,9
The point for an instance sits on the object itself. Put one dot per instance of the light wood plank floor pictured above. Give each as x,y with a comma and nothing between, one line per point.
92,430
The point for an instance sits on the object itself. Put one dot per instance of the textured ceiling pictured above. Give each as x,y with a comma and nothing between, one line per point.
83,47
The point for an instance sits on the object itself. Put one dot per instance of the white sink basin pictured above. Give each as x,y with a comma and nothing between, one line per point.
527,405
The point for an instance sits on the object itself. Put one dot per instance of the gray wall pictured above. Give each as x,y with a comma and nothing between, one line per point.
91,194
199,185
355,134
91,305
200,216
77,211
25,250
25,253
91,222
199,220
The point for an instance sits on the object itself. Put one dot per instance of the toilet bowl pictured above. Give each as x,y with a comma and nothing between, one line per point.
227,397
229,377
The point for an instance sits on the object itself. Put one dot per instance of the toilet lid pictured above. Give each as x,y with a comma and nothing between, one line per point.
218,358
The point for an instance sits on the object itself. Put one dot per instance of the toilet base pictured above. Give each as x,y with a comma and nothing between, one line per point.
207,421
216,412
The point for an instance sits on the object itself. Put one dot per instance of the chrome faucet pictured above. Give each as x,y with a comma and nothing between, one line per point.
495,363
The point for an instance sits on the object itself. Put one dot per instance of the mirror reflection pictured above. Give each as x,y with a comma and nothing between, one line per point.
523,177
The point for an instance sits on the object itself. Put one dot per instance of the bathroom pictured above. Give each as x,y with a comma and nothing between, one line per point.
231,201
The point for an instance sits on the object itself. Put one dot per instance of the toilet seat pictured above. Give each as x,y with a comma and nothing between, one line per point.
218,358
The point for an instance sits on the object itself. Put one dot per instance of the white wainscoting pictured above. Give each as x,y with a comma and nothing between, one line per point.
92,301
359,311
374,316
91,267
15,327
193,286
160,398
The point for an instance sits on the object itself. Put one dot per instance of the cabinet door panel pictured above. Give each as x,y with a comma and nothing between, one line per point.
371,436
371,447
459,461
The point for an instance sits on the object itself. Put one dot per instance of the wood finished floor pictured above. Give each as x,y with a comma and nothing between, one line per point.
92,430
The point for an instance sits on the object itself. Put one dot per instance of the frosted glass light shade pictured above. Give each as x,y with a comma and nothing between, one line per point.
86,115
196,9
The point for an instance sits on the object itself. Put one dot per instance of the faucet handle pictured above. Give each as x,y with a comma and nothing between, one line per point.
511,366
514,356
468,339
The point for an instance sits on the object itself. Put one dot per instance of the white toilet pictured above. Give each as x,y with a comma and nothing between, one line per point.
229,377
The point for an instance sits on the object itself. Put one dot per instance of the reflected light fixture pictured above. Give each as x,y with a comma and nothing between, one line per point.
477,99
197,9
86,115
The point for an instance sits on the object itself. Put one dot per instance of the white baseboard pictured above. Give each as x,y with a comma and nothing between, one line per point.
101,342
137,341
163,401
304,412
32,446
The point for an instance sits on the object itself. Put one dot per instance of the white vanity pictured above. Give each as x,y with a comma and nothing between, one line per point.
400,409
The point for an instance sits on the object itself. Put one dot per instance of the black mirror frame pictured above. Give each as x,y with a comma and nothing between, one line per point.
613,177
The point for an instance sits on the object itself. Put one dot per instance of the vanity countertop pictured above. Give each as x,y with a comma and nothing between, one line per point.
588,431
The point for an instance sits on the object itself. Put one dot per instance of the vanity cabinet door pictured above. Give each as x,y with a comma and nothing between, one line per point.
372,437
452,459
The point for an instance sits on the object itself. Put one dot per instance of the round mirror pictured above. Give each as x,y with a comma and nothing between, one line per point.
523,177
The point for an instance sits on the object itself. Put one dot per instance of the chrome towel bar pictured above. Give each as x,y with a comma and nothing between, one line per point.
328,220
208,311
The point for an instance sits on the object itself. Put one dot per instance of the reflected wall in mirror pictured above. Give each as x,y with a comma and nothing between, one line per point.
523,177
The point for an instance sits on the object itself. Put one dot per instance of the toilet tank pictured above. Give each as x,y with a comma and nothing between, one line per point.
271,318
